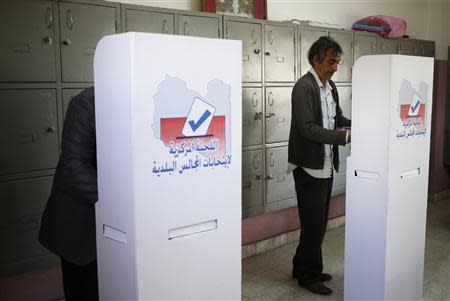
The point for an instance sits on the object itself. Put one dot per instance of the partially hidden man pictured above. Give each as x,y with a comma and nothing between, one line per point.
317,128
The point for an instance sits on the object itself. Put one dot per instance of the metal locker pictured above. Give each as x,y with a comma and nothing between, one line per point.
252,179
29,134
148,21
307,38
364,45
345,102
250,34
252,116
387,46
278,113
408,47
279,53
68,94
82,26
279,183
345,39
22,205
27,48
199,26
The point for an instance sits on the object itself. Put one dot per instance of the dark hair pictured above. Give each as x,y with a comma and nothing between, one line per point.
320,48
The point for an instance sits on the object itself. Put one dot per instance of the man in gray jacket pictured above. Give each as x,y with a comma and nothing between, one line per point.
68,222
316,131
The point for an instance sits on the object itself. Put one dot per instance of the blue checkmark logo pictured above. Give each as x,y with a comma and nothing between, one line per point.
414,108
199,118
195,125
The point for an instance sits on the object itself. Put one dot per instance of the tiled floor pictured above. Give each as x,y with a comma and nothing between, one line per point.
267,276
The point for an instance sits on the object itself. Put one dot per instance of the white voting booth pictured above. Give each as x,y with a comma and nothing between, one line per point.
387,177
168,121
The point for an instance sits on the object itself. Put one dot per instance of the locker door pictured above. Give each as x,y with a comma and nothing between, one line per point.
345,39
428,49
252,115
82,26
279,53
199,26
387,46
408,48
307,38
252,189
345,102
27,48
28,130
21,209
250,34
279,184
278,113
68,94
148,21
364,45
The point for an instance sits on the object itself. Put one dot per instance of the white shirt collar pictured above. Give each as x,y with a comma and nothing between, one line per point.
327,83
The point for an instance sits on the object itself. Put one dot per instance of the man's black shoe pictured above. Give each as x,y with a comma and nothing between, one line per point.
323,277
318,288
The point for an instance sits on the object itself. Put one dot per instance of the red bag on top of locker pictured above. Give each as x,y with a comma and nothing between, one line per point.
385,26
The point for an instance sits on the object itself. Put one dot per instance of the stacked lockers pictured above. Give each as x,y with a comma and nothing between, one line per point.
269,61
46,58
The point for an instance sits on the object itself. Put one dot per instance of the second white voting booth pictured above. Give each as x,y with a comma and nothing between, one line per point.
387,178
168,122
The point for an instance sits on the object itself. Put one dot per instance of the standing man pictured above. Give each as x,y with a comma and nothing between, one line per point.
68,222
313,151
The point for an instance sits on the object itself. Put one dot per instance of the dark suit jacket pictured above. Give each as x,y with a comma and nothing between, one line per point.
308,136
68,223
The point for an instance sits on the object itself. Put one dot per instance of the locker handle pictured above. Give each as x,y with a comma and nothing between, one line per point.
267,52
270,99
270,37
186,28
49,17
258,115
272,160
254,37
254,99
69,19
270,115
256,161
47,40
165,28
67,42
257,51
269,177
247,185
257,177
51,129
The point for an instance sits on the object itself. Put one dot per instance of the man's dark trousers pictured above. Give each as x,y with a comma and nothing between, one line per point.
313,199
80,282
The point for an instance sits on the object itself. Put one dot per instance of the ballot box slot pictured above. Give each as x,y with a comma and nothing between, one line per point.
192,229
114,234
410,173
370,175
